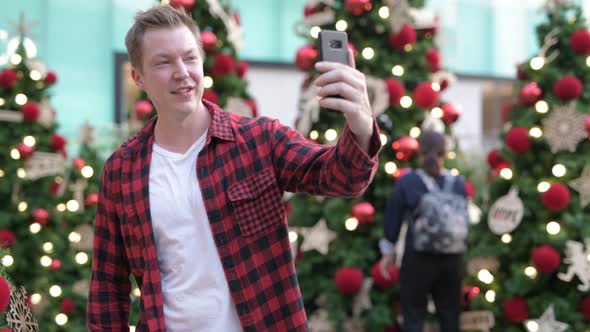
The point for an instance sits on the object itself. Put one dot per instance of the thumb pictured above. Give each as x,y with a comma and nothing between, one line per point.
351,61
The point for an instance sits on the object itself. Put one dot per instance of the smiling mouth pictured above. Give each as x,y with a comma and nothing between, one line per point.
183,90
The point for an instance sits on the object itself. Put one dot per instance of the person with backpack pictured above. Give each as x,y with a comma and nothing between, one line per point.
434,204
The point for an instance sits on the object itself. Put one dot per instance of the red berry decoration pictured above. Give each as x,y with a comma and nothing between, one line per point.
380,281
546,259
58,142
494,158
309,10
30,111
396,91
223,64
349,280
143,109
211,96
556,198
568,87
517,140
209,41
67,306
242,68
358,7
186,4
433,58
55,265
40,216
91,199
364,212
469,189
7,238
530,93
78,163
516,309
4,294
25,151
580,41
451,113
8,78
405,147
50,78
305,57
406,36
425,96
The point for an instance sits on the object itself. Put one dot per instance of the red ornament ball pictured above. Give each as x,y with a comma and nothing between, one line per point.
58,142
5,329
67,306
4,294
91,199
406,36
252,104
380,281
31,111
517,140
143,109
568,87
585,307
209,41
305,57
516,309
40,216
546,259
494,158
349,280
7,238
8,78
358,7
530,93
78,163
580,41
425,96
211,96
309,10
556,198
242,68
51,78
433,58
469,189
443,85
223,64
364,212
55,264
506,109
25,151
396,91
186,4
351,47
468,294
451,113
405,147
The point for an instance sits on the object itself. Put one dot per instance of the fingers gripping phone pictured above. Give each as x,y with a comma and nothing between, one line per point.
333,48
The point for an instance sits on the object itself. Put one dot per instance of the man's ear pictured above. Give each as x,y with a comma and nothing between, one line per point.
137,77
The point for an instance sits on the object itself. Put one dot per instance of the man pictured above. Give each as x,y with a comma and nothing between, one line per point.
191,205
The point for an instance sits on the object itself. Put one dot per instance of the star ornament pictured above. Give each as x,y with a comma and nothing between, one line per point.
317,237
582,186
564,128
546,323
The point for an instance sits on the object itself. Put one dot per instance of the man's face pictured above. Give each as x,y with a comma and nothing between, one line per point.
172,73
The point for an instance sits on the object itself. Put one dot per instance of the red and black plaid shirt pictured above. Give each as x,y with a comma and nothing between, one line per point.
243,170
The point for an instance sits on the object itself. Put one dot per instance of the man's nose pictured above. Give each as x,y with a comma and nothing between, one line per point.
180,70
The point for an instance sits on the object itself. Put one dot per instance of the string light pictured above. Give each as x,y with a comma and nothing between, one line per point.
293,237
22,206
384,12
2,101
490,296
2,173
506,238
55,291
368,53
29,141
87,172
531,272
315,31
341,25
61,207
72,205
35,75
207,82
137,291
397,70
451,155
415,132
131,328
437,113
48,247
506,173
21,99
14,154
485,276
75,237
455,172
383,138
543,187
408,47
588,61
15,59
558,170
331,135
406,101
541,107
536,132
35,228
390,167
351,223
532,326
537,63
81,258
46,261
435,86
7,260
314,135
36,298
553,228
61,319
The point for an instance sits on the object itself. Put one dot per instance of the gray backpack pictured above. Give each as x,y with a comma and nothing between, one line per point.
441,220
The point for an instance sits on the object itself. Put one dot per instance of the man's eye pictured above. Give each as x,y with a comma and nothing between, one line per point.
191,58
162,62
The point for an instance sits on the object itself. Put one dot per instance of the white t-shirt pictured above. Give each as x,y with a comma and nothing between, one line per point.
196,294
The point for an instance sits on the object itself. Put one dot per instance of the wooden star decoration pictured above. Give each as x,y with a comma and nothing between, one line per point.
547,322
554,4
317,237
564,128
582,186
19,316
22,27
86,134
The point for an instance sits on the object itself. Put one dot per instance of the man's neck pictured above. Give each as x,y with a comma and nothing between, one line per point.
178,134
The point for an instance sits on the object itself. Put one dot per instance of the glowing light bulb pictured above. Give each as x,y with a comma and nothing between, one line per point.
384,12
368,53
14,154
397,70
46,261
36,298
29,141
437,113
48,247
532,326
506,173
61,319
87,172
293,237
536,132
81,258
541,106
390,167
72,205
553,228
331,135
506,238
207,82
35,75
406,102
351,223
341,25
383,138
543,186
55,291
7,260
537,63
315,31
485,276
22,206
559,170
61,207
531,272
75,237
314,135
415,132
490,296
20,99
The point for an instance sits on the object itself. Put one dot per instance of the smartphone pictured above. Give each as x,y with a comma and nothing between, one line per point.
334,46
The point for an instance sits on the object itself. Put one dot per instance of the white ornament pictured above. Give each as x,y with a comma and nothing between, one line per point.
564,128
423,18
577,258
81,287
440,76
86,237
44,164
378,94
11,116
86,134
78,188
46,115
582,186
506,213
547,322
319,322
398,14
433,124
317,237
477,320
474,212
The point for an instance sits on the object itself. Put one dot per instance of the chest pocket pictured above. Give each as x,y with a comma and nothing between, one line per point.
257,204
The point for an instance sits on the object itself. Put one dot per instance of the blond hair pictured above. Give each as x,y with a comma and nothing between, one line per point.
161,16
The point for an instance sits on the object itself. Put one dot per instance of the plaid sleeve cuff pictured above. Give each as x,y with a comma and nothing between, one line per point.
352,151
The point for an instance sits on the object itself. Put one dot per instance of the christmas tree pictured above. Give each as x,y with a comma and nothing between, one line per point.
528,264
225,73
335,240
46,207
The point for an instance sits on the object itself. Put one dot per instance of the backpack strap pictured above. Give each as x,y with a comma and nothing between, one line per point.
428,181
449,182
